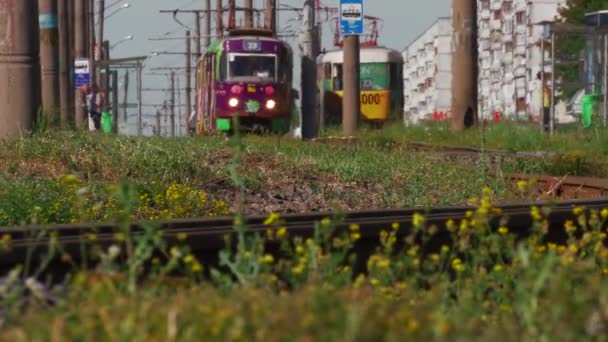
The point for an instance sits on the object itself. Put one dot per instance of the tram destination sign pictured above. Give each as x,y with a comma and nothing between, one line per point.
351,17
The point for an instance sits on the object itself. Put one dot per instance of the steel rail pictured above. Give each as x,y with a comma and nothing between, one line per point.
207,235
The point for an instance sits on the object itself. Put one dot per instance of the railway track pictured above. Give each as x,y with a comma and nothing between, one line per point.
205,237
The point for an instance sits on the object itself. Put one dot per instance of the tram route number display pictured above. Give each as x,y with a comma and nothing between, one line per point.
371,99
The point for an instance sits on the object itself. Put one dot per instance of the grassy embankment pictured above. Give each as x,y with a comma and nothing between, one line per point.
485,285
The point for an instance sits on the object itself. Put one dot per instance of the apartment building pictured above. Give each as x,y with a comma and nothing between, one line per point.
428,73
510,55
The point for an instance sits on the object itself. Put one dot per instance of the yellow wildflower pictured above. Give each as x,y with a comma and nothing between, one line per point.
175,252
572,248
281,232
578,211
188,259
273,218
119,237
355,236
570,227
182,236
498,268
326,222
267,259
435,257
298,269
196,267
604,213
445,249
354,227
299,249
535,213
418,220
503,230
395,226
522,185
374,281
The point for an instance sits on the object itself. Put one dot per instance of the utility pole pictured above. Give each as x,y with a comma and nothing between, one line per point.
351,102
179,106
197,32
158,131
188,74
19,67
464,78
207,23
125,104
49,58
139,98
231,14
93,53
249,13
219,22
173,103
80,52
115,101
270,16
309,54
65,84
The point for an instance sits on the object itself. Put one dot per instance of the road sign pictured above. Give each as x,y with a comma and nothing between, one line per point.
351,17
82,73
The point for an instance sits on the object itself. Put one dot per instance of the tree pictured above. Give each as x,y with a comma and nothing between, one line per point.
572,47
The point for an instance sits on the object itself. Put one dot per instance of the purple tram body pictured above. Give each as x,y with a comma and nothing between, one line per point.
248,76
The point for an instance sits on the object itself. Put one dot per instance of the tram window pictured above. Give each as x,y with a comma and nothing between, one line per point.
327,70
252,66
337,79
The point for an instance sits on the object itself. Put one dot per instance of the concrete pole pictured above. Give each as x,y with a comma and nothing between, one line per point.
541,116
80,51
231,14
173,103
65,84
103,86
188,73
249,13
125,99
19,67
605,80
158,130
115,101
270,16
219,22
49,59
552,117
179,106
309,74
207,23
139,99
92,52
464,80
351,102
197,33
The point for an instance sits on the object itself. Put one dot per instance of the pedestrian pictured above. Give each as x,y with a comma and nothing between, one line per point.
95,101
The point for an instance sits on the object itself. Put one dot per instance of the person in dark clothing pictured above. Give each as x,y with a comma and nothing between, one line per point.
94,105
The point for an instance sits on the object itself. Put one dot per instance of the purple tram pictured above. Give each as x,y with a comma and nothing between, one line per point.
245,76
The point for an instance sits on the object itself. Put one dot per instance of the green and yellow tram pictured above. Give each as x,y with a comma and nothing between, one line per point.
381,85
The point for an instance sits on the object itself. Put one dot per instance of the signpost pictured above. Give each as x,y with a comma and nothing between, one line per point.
82,72
351,26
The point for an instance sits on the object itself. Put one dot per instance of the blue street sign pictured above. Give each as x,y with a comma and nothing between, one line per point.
82,74
351,17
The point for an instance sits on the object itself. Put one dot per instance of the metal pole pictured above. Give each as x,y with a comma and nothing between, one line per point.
80,52
309,74
207,23
270,15
219,23
92,53
115,101
49,59
19,67
197,32
605,79
179,106
552,117
351,102
464,82
65,85
139,99
249,13
158,131
231,14
125,103
188,73
173,103
541,116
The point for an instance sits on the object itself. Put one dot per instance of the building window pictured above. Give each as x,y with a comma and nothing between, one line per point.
507,6
485,4
497,15
519,17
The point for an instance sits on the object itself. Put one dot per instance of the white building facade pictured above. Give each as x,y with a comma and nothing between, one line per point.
427,73
510,56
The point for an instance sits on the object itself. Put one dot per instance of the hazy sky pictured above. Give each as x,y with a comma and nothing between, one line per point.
403,21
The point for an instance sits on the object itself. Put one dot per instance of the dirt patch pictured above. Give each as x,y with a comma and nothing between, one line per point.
35,167
277,184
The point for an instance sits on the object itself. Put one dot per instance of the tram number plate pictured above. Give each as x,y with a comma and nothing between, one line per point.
372,99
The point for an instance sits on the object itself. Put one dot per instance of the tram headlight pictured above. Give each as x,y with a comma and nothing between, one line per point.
271,104
233,102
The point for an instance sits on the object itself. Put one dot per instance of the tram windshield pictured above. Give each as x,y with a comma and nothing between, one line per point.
252,66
